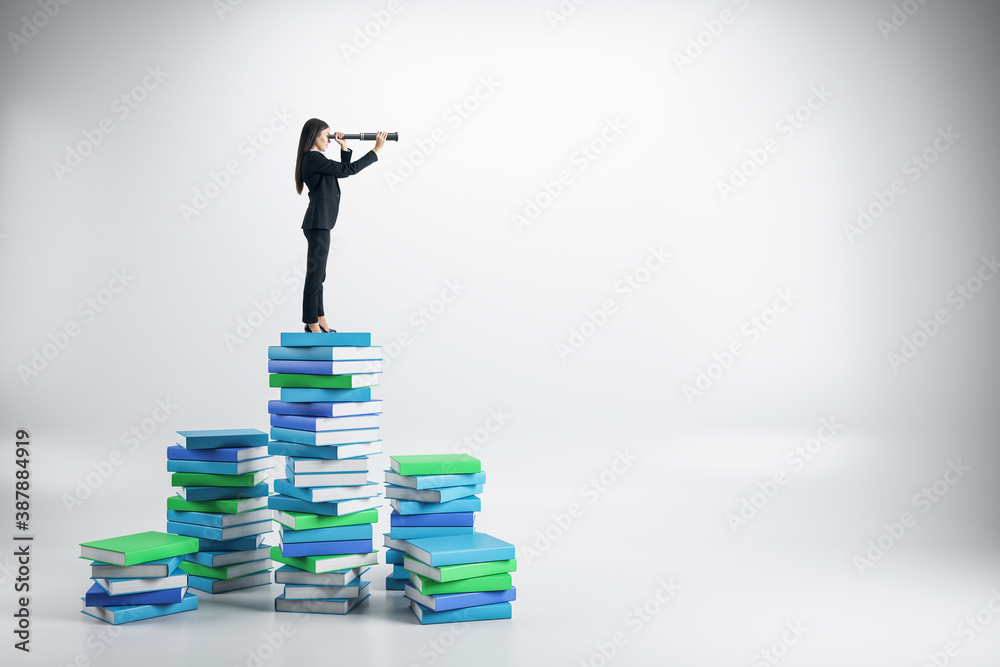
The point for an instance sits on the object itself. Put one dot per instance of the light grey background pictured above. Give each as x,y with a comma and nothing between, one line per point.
493,350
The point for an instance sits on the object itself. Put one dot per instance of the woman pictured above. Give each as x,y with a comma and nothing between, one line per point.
321,175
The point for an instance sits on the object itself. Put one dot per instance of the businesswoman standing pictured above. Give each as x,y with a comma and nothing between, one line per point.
322,175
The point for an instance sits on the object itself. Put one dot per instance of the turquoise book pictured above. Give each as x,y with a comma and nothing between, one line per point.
116,615
215,438
332,339
484,612
470,504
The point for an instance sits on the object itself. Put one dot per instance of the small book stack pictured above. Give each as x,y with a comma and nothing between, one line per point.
138,577
326,426
221,481
449,572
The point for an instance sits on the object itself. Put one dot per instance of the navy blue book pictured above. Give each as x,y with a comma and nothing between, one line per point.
295,449
328,409
317,395
440,519
295,549
447,601
232,454
332,339
197,493
287,504
306,423
216,438
98,597
312,367
324,353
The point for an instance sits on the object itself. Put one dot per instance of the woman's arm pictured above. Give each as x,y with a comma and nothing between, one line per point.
316,162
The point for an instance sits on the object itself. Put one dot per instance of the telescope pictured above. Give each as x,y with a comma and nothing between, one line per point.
367,136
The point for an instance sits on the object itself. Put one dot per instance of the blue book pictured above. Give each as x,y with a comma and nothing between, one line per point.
218,519
216,438
459,549
394,557
318,395
325,494
226,558
338,548
117,615
219,534
332,339
442,495
289,504
209,585
328,409
434,481
325,353
319,605
295,449
361,531
233,454
483,612
320,479
324,438
399,573
154,568
221,467
197,493
448,601
393,584
440,519
326,367
305,423
239,544
470,504
98,597
410,532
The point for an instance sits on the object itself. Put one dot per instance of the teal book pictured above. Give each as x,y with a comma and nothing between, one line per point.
308,479
323,494
213,439
312,395
470,504
219,534
215,520
220,467
325,423
225,558
486,612
160,567
228,571
286,574
354,589
434,481
317,606
332,339
209,585
410,532
116,615
177,579
459,549
332,534
323,438
435,464
328,453
441,495
323,367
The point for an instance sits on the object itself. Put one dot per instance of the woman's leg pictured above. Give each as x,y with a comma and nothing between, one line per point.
312,291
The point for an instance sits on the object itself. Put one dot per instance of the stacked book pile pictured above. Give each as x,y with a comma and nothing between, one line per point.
138,577
221,499
325,424
449,572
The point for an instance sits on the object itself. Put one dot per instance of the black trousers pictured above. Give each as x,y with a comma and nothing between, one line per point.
312,291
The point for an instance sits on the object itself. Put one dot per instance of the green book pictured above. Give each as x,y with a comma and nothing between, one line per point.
226,506
447,573
323,381
138,548
321,564
435,464
490,582
227,572
305,521
208,479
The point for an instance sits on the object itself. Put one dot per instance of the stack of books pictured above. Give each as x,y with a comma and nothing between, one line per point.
449,572
221,481
138,577
325,424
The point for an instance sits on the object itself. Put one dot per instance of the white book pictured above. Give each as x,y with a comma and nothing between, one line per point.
207,585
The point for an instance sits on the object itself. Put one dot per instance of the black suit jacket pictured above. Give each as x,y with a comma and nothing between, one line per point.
321,176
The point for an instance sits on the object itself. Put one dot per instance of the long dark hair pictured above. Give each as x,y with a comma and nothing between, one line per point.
310,131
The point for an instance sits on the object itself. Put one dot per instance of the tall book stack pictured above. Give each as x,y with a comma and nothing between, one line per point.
449,572
137,577
220,477
325,424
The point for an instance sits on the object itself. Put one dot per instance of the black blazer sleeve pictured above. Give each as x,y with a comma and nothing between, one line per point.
320,164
